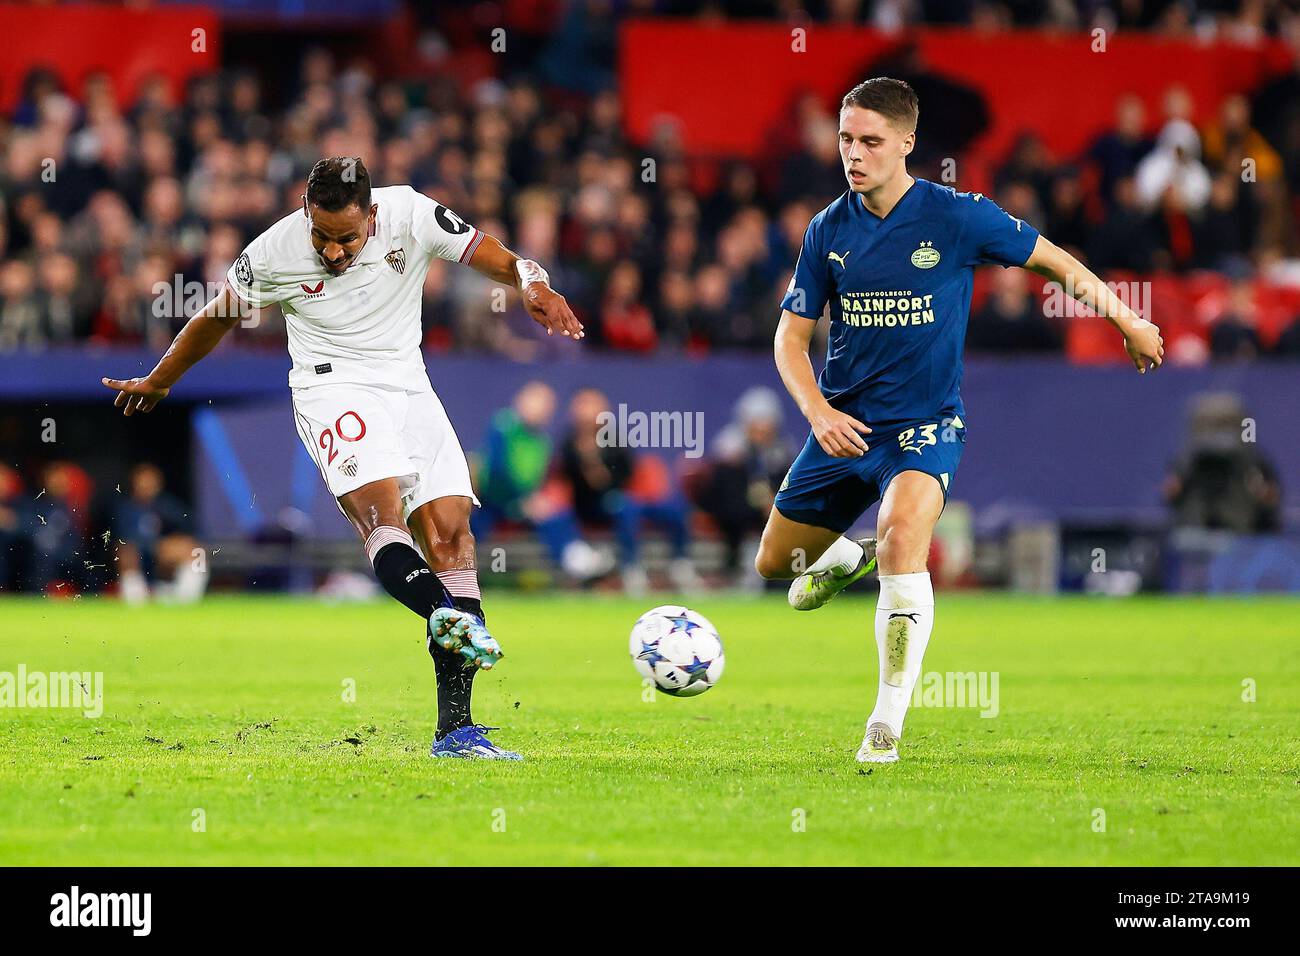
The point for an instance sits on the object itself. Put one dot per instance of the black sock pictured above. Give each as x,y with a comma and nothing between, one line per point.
405,575
455,686
455,679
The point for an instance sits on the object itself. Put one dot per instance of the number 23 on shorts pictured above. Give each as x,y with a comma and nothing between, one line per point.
914,439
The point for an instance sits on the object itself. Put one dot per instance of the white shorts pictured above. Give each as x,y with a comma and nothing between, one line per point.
357,434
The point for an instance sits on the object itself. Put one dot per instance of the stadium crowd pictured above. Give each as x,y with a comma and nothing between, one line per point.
1231,19
116,223
65,534
113,218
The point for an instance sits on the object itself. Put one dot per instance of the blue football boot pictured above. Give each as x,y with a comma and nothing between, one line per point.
471,743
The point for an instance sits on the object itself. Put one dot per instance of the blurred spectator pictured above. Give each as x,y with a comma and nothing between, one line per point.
65,309
1276,109
739,191
1020,198
14,522
1172,174
626,324
1028,165
56,532
1234,336
1117,153
1012,319
512,484
580,55
1222,231
1067,220
674,309
1232,139
156,543
1221,480
814,170
612,487
750,458
1126,238
437,314
713,306
21,321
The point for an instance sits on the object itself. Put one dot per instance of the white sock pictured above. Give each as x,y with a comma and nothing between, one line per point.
841,557
580,559
134,588
189,584
904,618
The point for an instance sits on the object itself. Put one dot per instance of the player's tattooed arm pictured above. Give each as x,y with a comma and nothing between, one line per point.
546,306
836,432
199,337
1142,339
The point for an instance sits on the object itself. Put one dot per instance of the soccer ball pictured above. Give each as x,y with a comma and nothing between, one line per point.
678,649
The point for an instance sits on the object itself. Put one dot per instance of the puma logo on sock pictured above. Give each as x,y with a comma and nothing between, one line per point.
911,617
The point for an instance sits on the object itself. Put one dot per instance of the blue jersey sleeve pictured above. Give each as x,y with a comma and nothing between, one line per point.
992,235
809,288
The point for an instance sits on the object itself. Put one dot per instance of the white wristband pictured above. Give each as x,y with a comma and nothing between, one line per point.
529,271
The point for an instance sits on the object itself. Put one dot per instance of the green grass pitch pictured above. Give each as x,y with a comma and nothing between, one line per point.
226,738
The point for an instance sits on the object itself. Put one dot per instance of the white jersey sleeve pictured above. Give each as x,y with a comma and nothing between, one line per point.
440,232
250,275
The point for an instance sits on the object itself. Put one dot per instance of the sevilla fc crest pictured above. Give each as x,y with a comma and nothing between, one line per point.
397,259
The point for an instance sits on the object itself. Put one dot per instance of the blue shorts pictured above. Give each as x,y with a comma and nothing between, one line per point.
833,492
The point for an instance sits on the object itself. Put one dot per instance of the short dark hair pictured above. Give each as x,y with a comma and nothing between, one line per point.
335,184
892,99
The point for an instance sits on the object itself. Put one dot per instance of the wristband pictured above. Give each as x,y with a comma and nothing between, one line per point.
529,272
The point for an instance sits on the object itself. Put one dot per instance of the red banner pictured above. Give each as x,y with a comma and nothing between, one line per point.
729,86
76,40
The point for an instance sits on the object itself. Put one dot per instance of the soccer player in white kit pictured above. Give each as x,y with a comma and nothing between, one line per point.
348,271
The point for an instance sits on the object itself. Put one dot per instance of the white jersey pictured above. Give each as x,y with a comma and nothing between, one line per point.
363,326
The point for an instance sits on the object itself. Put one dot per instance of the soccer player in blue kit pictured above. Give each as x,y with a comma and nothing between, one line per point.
893,257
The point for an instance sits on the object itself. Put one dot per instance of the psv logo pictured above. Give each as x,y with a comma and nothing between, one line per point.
926,256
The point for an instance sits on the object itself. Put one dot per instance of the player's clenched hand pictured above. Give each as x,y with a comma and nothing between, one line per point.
549,310
1144,345
135,394
837,433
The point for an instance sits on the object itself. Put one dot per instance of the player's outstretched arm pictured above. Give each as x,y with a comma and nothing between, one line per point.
547,307
1141,338
199,337
835,431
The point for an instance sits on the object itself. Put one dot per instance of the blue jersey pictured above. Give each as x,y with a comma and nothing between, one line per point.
899,290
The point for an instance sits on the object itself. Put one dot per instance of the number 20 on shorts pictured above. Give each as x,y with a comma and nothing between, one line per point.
326,439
